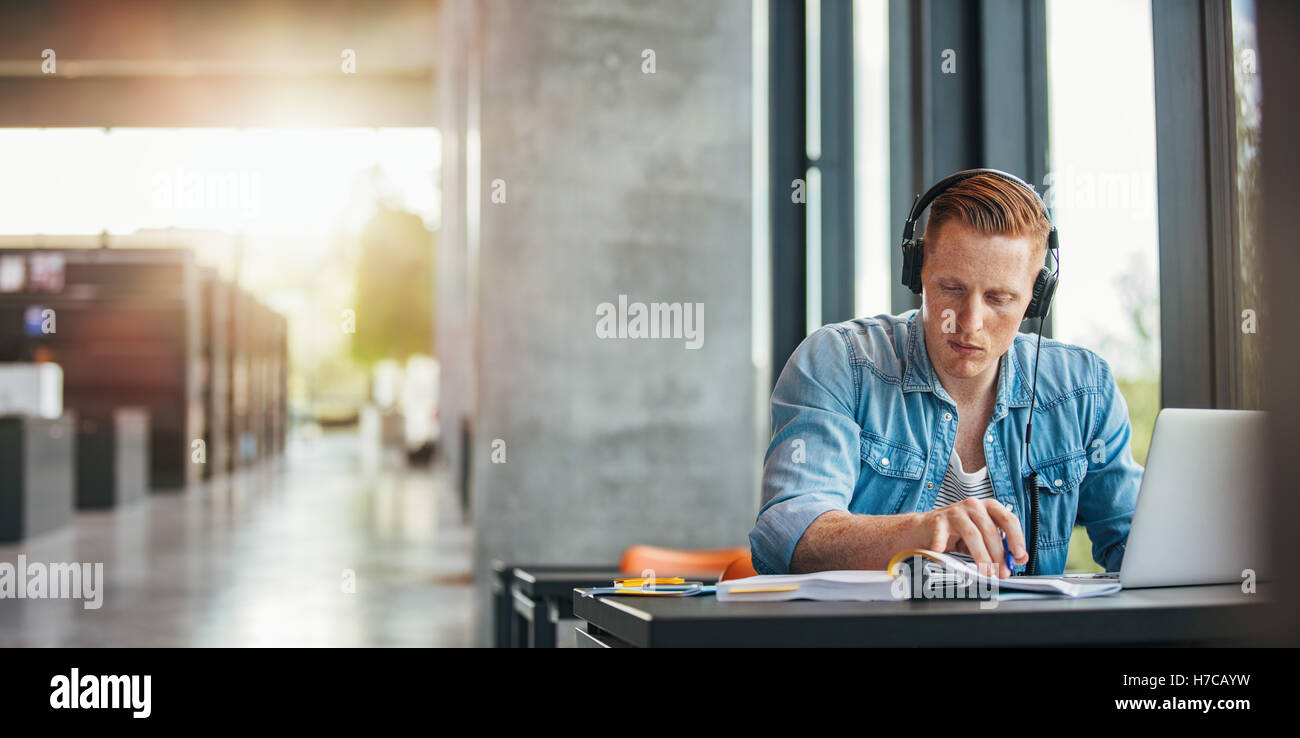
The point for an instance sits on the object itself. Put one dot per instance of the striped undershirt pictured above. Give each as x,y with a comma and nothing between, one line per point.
958,485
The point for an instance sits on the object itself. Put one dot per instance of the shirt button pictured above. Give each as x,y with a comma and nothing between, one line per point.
947,416
885,462
1058,483
989,438
929,485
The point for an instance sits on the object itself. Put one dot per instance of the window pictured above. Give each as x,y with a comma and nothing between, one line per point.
1102,191
279,210
1101,188
1246,90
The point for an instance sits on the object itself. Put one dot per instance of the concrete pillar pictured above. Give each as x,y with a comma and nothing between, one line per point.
615,160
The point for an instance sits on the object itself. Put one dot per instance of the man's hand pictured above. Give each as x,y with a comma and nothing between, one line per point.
974,527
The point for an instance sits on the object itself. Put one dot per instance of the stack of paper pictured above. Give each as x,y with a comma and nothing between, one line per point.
849,586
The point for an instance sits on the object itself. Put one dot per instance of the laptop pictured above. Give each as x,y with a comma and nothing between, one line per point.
1200,509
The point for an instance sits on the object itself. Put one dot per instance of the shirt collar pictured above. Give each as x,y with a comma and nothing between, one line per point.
1013,382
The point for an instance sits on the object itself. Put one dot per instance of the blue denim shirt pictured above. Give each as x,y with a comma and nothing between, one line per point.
861,423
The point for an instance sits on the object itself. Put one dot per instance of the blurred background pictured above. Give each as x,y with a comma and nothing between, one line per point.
301,297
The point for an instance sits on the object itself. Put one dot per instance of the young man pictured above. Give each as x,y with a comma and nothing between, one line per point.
908,431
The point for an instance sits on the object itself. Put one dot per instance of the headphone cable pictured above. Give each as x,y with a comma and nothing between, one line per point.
1031,568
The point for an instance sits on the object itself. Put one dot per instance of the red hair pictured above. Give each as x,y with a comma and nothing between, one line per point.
992,205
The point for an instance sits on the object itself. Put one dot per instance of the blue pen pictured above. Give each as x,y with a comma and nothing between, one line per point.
1006,550
1012,566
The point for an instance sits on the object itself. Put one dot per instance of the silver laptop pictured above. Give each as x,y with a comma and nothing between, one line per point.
1200,510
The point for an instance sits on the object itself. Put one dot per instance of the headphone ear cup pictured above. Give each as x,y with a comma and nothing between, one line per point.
913,257
1044,289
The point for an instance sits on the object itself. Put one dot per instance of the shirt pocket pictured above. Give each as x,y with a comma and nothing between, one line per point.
1059,479
891,458
1062,475
891,472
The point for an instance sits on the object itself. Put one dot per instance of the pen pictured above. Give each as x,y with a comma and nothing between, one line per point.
751,590
643,581
1012,566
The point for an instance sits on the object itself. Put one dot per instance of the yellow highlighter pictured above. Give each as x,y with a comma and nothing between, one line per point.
647,581
752,590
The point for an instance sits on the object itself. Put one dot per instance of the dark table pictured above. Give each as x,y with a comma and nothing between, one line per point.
531,598
526,616
1204,615
543,595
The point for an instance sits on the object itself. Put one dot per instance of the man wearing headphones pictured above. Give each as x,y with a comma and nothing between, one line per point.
917,430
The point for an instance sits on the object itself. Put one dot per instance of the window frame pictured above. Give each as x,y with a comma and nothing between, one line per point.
1197,204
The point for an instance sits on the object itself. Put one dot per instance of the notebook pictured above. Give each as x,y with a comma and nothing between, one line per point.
940,576
859,585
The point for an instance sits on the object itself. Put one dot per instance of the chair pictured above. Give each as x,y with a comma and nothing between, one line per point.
677,562
739,569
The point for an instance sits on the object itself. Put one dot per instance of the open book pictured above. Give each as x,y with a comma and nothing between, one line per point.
913,574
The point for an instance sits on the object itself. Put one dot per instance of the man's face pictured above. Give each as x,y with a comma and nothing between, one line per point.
976,289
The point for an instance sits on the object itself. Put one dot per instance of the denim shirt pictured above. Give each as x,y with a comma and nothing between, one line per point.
861,423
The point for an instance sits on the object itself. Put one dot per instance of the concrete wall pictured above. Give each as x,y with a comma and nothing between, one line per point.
616,182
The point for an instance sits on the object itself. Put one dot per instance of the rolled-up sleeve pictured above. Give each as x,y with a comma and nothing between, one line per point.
812,463
1109,491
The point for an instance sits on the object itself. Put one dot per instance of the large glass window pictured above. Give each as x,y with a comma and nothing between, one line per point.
1102,191
1246,90
284,212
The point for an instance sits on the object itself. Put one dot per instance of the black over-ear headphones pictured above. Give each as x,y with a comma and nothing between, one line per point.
1044,285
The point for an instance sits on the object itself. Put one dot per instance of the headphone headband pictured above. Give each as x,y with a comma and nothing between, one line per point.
923,201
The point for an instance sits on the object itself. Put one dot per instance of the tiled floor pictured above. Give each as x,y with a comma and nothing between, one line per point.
263,559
